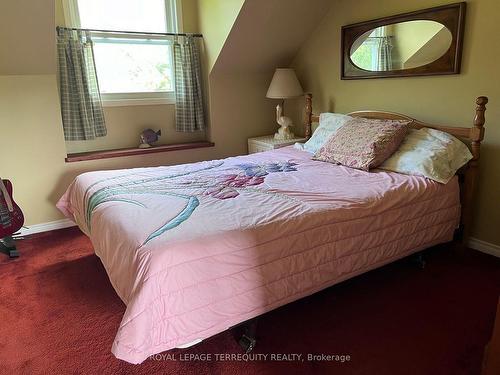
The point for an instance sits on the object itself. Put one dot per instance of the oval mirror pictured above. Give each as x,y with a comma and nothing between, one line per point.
403,45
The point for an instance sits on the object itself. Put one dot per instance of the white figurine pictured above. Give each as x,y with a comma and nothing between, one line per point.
285,123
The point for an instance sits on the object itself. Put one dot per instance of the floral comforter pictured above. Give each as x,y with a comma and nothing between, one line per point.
194,249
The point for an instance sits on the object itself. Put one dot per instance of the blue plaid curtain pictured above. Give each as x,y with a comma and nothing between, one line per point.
81,107
384,58
189,115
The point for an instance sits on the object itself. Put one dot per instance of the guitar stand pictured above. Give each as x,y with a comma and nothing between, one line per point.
248,340
419,260
8,246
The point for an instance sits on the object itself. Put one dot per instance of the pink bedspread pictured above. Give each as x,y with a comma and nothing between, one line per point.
195,249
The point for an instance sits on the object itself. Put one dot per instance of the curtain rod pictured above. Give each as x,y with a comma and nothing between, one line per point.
130,32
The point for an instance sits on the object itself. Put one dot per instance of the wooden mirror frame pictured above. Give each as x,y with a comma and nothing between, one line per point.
452,16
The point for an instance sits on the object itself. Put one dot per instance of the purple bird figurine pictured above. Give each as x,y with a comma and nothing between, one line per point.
148,137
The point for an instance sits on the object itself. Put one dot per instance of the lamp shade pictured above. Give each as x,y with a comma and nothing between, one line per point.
284,85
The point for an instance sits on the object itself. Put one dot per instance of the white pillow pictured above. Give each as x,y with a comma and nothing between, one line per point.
329,123
430,153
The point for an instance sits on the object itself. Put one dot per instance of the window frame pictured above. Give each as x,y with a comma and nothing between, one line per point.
173,22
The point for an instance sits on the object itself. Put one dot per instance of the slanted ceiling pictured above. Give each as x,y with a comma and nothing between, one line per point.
268,34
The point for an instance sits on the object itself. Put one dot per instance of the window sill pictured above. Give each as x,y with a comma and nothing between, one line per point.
107,154
135,102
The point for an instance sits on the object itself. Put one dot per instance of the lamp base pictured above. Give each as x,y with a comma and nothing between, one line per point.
284,133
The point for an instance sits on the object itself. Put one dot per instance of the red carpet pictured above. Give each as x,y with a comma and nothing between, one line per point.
59,315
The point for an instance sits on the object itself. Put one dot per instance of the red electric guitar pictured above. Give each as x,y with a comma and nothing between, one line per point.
11,219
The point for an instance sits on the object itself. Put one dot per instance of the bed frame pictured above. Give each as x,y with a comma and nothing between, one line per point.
472,136
467,175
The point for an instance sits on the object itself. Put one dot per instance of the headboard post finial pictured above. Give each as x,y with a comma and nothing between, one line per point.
308,117
477,132
481,107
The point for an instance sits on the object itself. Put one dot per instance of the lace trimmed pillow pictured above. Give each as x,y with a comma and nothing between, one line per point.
430,153
363,143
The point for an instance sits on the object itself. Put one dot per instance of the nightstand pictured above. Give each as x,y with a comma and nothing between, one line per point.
267,143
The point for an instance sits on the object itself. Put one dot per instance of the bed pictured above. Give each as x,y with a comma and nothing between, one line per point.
195,249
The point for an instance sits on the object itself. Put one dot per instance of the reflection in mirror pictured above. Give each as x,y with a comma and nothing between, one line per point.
403,45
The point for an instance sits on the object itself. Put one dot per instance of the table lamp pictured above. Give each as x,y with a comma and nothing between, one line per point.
284,85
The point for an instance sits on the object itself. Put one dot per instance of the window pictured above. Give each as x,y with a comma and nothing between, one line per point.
366,55
132,68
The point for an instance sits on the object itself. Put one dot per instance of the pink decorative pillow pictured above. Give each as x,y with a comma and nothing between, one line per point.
363,143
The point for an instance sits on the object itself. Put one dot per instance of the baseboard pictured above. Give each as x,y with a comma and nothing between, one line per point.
45,227
485,247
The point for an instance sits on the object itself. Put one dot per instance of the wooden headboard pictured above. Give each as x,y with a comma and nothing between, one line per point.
472,136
